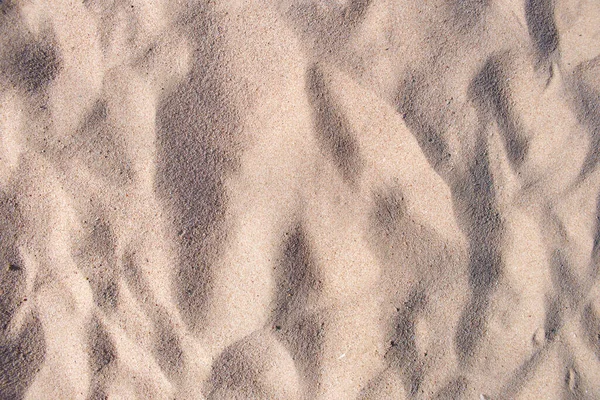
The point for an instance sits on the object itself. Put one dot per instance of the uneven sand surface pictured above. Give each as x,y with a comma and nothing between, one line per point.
299,199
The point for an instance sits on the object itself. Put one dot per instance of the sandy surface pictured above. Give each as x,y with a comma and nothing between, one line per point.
299,199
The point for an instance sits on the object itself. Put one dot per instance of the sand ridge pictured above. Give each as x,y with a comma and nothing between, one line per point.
299,199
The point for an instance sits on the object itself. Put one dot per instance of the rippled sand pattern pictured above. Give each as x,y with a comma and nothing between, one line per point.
299,199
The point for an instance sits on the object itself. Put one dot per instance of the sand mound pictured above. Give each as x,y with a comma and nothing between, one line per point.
300,199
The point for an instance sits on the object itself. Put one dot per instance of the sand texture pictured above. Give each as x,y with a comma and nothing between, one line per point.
299,199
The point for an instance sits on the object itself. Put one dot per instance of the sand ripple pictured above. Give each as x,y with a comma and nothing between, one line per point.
299,199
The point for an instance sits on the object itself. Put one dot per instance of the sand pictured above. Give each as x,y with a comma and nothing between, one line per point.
299,199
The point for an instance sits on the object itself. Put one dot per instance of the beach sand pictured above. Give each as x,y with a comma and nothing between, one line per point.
299,199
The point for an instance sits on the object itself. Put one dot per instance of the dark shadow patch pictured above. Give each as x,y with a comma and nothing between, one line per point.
403,353
103,356
415,99
595,258
134,279
250,369
572,382
97,115
198,134
356,11
564,280
389,210
95,144
228,372
167,343
296,281
333,129
12,285
295,276
542,28
307,347
330,25
12,274
419,268
410,251
96,253
553,320
6,6
523,374
586,93
469,12
97,394
591,326
489,93
13,267
471,328
589,112
108,295
20,360
453,390
102,352
34,66
484,230
169,353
